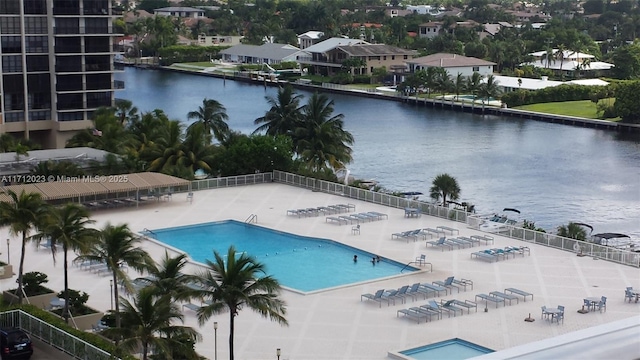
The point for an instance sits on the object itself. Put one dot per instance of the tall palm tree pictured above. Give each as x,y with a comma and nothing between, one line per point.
239,282
68,226
444,186
459,85
117,247
472,85
125,111
21,214
168,279
284,114
489,89
573,231
443,82
214,118
149,324
430,75
323,143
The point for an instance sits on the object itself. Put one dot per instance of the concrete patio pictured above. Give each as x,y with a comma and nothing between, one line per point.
335,324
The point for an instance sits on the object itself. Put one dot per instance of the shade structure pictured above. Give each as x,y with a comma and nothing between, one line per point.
97,186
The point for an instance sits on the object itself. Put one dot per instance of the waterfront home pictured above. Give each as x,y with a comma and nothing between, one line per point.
453,63
512,83
373,56
181,12
569,61
263,54
318,55
309,38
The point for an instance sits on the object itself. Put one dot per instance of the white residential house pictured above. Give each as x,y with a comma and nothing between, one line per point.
512,83
453,63
181,12
263,54
429,30
569,61
309,38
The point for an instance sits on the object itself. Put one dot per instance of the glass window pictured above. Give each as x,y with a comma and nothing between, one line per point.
11,64
37,63
38,7
476,68
11,45
36,25
37,44
10,25
10,7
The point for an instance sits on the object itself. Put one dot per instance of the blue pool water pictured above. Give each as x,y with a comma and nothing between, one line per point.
298,262
454,349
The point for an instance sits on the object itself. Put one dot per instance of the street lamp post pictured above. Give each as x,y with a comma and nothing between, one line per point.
8,254
215,340
278,353
111,292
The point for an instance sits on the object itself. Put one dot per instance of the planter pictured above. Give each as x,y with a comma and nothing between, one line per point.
84,322
6,271
41,301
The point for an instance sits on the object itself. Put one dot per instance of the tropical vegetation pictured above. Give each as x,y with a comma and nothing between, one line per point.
238,281
572,230
444,187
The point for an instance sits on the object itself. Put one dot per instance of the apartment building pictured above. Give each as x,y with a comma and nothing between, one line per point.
56,67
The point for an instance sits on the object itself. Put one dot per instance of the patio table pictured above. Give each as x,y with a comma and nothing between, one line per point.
553,312
593,301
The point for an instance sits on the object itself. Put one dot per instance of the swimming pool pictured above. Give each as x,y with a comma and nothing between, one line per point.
301,263
453,349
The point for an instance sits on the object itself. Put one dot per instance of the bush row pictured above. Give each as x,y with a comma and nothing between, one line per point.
552,94
188,53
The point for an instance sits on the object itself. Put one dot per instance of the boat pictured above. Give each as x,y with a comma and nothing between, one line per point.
616,240
411,195
496,223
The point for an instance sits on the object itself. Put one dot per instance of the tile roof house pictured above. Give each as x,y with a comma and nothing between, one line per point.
453,63
263,54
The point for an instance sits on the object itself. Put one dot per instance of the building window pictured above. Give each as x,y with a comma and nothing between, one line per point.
393,57
35,7
35,25
10,25
384,58
406,57
10,7
476,68
37,63
11,45
37,44
11,64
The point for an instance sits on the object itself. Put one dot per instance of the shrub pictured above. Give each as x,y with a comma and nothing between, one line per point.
32,284
552,94
77,301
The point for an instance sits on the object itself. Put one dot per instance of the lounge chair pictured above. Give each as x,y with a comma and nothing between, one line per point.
473,242
392,295
403,293
399,235
435,288
464,283
466,304
484,256
349,219
375,297
417,289
379,215
505,296
446,228
485,238
450,306
433,305
335,219
414,313
496,300
459,243
447,283
524,294
436,232
192,307
442,243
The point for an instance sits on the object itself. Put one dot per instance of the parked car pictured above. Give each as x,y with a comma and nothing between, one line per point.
15,344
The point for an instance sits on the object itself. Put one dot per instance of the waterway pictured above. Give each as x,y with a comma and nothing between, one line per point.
552,173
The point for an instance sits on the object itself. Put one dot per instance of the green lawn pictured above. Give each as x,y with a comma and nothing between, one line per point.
582,108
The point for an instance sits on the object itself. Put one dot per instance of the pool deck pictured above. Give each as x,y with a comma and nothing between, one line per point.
335,324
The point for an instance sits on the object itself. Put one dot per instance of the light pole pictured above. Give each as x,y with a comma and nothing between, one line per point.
8,254
278,353
215,340
111,292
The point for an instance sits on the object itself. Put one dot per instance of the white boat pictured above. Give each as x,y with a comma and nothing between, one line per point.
616,240
496,223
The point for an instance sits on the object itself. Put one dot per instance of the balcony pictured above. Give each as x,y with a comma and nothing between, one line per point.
118,84
82,30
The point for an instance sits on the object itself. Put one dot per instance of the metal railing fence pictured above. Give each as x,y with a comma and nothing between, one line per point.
53,336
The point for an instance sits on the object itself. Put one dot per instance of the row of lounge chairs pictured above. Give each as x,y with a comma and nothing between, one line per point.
508,294
459,242
109,204
357,218
418,289
423,233
96,266
493,255
433,308
325,210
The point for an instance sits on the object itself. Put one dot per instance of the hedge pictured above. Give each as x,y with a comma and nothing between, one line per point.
192,53
551,94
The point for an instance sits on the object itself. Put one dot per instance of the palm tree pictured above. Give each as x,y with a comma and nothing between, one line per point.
21,214
459,85
445,186
573,231
168,278
118,247
239,282
284,114
214,118
472,85
323,143
148,324
443,81
430,75
67,226
125,111
489,89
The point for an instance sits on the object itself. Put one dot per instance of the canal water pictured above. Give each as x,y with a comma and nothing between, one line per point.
552,173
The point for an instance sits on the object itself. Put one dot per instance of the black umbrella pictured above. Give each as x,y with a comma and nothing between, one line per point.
511,209
585,225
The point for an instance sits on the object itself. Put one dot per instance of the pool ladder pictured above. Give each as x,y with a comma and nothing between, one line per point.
253,218
147,231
